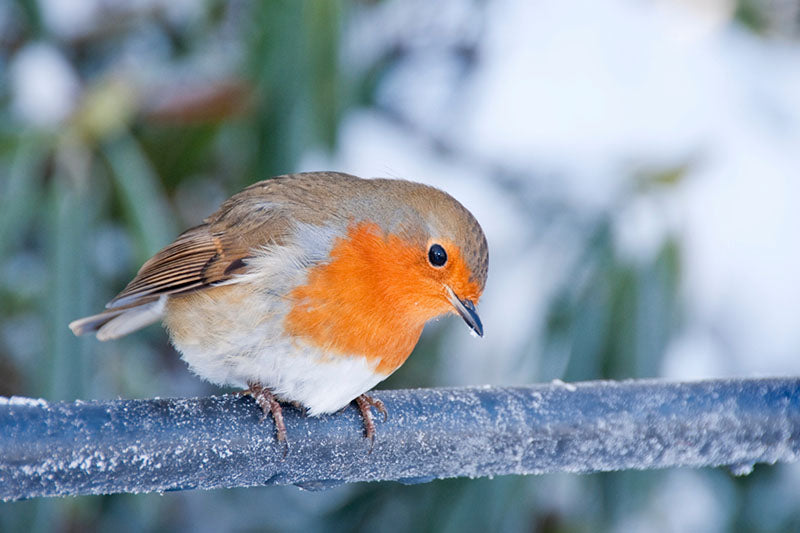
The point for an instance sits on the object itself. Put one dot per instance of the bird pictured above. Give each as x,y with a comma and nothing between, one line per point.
308,288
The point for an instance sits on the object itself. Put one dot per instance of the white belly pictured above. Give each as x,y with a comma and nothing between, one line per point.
294,373
233,334
233,344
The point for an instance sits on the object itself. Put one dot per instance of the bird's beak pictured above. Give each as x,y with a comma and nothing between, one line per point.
466,309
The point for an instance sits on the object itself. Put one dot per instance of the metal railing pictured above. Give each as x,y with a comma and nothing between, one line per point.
49,449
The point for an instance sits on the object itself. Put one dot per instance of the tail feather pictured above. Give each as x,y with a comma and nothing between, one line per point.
116,323
90,324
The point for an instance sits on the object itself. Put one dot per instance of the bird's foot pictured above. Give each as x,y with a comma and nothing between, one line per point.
269,406
365,403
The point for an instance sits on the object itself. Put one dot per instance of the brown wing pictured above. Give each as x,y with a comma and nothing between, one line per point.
181,266
209,253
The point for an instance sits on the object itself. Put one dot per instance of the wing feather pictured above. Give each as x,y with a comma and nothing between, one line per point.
176,268
264,215
207,254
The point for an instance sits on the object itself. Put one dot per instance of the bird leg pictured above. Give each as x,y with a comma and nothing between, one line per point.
365,403
268,404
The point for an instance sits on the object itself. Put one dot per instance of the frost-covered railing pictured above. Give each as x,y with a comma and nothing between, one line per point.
158,445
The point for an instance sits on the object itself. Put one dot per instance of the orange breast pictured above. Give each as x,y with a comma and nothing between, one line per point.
372,299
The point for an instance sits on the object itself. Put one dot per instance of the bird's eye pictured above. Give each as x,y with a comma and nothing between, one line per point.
437,256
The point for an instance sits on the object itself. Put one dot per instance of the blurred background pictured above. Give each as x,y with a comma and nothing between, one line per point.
634,165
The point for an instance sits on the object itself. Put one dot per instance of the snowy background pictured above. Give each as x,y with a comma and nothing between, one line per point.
633,164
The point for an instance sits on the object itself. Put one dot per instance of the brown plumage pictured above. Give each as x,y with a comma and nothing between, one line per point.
295,273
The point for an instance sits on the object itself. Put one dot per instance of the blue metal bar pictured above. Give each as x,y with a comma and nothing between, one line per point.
174,444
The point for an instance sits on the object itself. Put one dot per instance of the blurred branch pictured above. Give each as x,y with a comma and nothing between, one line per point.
158,445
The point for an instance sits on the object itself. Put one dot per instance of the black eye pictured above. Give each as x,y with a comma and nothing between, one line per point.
437,256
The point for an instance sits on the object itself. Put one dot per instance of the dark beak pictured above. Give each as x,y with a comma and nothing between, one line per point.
466,309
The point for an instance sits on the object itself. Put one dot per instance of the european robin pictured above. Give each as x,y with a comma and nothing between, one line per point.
308,288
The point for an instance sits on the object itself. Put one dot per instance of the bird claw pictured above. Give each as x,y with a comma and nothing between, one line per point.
365,403
269,406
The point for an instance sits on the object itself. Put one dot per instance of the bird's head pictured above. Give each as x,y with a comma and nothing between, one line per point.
411,255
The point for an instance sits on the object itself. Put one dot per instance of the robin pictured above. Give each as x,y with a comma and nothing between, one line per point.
308,288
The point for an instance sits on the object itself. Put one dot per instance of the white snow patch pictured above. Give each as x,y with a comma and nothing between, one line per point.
44,86
22,400
568,386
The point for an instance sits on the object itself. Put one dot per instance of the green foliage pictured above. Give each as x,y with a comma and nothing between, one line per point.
752,15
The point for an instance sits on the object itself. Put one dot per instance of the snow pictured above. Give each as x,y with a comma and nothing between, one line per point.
567,386
23,401
44,87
